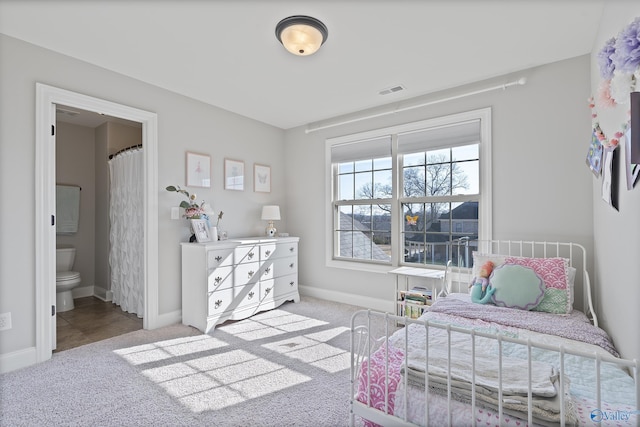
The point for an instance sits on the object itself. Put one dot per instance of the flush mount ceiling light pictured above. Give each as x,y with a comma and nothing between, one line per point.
301,35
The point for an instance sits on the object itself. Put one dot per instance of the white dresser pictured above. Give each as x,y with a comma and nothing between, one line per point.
236,278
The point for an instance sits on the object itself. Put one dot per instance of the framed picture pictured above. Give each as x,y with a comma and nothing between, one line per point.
610,177
594,156
201,230
261,178
633,170
198,170
233,175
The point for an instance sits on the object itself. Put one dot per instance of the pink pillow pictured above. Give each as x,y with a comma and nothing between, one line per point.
553,272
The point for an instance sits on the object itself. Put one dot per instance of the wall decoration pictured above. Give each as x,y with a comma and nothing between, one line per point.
594,156
633,170
634,139
610,177
261,178
201,230
233,175
198,170
619,67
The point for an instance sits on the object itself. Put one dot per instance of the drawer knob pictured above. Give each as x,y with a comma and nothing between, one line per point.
266,291
251,294
267,253
218,303
291,265
250,274
218,280
292,283
250,255
291,249
218,258
267,271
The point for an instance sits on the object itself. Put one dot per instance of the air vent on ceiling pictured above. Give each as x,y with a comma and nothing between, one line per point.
393,89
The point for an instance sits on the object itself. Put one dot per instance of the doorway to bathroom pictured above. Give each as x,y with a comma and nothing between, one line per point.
94,228
47,100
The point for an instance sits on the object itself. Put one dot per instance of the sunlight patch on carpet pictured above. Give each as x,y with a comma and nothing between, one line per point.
223,379
162,350
270,324
314,350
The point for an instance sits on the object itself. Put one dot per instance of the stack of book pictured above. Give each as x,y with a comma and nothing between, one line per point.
415,301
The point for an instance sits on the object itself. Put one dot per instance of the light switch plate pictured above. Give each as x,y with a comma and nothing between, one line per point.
175,212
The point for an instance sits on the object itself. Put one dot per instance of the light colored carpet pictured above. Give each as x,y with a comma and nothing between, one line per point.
285,367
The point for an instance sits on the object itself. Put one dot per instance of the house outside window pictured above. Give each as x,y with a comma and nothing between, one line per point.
404,195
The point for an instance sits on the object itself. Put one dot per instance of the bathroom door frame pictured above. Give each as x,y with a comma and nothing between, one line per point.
47,97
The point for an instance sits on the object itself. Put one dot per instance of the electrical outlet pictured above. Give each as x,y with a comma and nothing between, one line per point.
5,321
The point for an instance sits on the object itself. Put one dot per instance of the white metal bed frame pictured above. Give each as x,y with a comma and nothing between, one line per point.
364,342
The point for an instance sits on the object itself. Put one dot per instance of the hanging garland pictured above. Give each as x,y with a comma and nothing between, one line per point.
619,64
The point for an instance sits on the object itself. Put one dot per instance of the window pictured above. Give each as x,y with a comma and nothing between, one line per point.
363,177
404,195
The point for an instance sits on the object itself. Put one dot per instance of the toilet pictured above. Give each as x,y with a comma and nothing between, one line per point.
66,279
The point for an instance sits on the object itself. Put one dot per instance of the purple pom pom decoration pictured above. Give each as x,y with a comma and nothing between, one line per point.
604,59
626,57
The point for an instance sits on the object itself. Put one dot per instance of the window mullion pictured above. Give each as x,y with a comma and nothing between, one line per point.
396,208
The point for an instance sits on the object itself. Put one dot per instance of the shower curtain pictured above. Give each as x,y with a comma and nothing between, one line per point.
126,236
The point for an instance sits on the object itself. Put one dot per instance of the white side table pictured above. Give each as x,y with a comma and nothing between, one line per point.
403,277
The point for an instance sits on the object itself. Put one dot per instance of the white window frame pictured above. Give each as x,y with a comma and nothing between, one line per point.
485,201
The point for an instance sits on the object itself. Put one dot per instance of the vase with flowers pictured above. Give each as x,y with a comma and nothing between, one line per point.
193,210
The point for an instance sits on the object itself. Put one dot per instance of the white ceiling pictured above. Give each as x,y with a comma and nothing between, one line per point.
225,53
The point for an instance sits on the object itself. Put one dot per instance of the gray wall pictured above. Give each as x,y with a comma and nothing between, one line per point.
183,125
75,153
541,186
617,234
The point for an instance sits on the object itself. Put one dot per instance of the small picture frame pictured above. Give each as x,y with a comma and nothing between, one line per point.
198,170
201,230
261,178
594,155
233,175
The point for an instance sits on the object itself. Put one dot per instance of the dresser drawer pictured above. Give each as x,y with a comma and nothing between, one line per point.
280,267
219,258
267,290
278,250
268,251
286,284
247,295
246,273
245,254
220,278
220,301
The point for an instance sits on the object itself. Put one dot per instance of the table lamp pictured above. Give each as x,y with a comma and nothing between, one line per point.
271,213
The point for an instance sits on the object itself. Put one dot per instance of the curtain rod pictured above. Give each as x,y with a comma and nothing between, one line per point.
133,147
521,81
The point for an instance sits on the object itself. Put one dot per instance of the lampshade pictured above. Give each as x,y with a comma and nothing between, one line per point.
301,35
271,213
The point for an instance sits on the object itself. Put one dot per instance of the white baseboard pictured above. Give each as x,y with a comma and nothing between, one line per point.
169,319
346,298
82,291
17,360
102,294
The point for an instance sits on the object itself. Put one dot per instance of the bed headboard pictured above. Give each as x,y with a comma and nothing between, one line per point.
459,269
